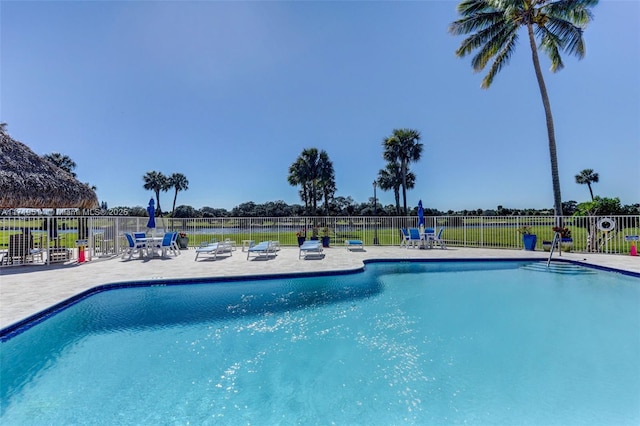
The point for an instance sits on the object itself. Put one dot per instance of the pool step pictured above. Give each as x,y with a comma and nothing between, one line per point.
559,268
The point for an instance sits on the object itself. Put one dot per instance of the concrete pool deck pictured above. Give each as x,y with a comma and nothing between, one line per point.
29,289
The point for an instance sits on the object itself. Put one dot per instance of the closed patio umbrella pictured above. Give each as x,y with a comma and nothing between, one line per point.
420,215
151,224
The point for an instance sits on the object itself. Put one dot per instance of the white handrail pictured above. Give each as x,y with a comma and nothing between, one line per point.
556,238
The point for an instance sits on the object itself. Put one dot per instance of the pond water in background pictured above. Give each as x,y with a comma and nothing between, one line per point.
414,343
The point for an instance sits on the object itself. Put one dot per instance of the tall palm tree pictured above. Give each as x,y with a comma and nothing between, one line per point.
557,24
156,182
587,177
179,182
403,147
63,161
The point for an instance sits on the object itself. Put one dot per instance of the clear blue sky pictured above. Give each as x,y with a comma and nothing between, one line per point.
230,93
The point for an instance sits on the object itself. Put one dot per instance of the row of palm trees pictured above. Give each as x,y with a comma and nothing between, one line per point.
313,171
156,182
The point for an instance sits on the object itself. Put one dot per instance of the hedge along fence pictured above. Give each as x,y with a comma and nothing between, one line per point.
589,233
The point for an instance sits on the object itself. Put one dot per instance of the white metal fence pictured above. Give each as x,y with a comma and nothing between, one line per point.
56,238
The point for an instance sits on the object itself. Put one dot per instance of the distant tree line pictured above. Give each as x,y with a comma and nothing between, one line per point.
600,206
345,206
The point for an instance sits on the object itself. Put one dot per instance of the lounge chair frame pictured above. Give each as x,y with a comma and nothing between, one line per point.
214,249
308,248
354,244
264,249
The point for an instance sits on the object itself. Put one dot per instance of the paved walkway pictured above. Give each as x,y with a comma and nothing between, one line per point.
26,290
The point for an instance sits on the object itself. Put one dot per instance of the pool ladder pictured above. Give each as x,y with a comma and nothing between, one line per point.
556,239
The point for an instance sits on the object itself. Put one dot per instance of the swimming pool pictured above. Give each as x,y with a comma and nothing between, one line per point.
408,342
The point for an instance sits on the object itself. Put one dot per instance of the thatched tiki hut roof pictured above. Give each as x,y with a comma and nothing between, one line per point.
29,181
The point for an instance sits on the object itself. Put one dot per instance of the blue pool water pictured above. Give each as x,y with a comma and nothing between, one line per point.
400,343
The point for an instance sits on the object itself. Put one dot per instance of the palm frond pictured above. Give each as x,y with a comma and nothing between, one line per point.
500,42
502,59
569,36
575,11
549,43
475,22
480,38
491,26
473,7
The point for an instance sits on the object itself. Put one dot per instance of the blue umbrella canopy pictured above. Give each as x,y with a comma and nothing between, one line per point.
420,214
152,214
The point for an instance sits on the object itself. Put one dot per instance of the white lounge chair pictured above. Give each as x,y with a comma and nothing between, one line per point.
214,249
264,248
309,247
354,244
275,245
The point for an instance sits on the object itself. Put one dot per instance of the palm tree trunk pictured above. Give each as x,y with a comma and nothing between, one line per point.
590,190
403,168
305,195
396,192
175,197
159,210
557,198
326,203
314,197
